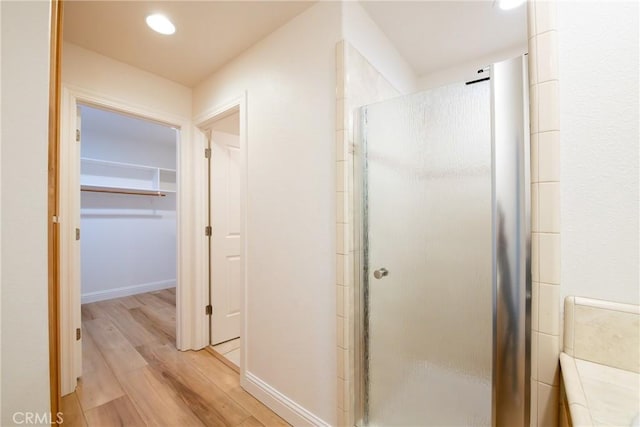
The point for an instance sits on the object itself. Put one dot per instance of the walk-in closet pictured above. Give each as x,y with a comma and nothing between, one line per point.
128,213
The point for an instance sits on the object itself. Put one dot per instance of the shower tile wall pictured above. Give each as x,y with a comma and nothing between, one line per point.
358,84
545,212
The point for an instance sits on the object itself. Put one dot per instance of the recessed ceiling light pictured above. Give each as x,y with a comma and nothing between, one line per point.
510,4
160,24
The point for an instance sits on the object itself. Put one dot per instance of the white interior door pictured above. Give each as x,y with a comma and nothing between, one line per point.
69,221
74,238
225,259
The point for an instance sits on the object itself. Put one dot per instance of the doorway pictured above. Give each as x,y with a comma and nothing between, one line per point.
127,205
128,235
119,220
226,237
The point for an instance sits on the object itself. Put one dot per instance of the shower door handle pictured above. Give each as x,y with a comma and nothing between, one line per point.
380,273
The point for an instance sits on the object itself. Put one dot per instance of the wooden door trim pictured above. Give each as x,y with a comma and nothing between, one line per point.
53,184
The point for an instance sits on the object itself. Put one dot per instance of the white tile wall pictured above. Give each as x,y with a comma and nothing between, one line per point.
548,156
603,332
342,229
548,318
341,397
340,238
549,205
549,115
548,368
603,335
343,362
545,211
533,105
549,258
535,257
340,176
534,366
545,16
340,261
534,403
567,342
548,63
533,56
548,405
535,204
534,158
340,300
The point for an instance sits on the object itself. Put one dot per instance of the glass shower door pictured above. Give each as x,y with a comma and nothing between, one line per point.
427,242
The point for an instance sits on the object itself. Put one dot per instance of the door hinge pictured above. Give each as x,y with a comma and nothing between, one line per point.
77,234
78,334
77,135
208,231
207,153
208,310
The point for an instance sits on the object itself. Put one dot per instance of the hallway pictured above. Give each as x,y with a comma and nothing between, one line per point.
134,376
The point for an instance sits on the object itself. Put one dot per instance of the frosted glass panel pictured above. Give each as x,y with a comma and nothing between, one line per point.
428,223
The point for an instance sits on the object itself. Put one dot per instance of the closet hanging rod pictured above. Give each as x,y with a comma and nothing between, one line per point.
92,189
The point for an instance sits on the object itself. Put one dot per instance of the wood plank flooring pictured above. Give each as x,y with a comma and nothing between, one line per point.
133,375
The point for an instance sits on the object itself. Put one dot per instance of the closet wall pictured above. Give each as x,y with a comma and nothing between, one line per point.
128,242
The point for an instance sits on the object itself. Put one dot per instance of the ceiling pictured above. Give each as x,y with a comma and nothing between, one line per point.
208,33
435,35
431,35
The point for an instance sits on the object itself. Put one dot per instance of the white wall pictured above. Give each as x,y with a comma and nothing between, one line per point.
25,103
139,149
598,59
229,124
468,70
97,73
1,102
365,35
128,243
290,80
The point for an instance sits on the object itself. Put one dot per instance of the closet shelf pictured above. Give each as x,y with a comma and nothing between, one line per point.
119,190
105,176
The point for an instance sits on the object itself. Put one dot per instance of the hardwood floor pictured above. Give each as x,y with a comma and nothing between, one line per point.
133,375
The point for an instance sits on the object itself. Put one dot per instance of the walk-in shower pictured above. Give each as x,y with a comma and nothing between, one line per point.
443,283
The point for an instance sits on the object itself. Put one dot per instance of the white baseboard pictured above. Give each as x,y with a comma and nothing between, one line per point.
127,290
291,411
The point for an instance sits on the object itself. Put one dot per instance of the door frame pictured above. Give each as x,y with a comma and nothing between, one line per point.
202,126
191,320
53,187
